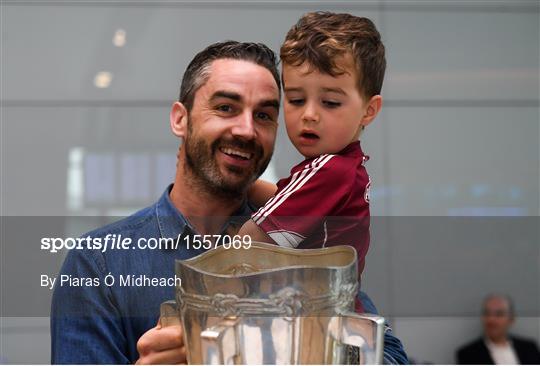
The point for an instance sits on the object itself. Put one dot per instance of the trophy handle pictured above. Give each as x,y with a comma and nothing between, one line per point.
352,328
168,314
219,343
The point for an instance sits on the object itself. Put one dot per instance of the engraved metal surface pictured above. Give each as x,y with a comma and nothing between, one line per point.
274,305
285,302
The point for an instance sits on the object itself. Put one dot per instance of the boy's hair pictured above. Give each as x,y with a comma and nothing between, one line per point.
319,38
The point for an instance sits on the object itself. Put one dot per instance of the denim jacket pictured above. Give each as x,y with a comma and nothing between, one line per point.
100,323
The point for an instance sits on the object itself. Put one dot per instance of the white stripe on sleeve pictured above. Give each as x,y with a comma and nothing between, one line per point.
297,177
279,200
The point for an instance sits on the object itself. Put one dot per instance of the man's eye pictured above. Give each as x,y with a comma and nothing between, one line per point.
224,108
263,116
331,104
296,101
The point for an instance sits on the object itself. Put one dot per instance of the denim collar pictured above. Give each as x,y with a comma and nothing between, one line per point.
172,223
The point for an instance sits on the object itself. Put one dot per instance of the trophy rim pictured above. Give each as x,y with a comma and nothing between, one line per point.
191,263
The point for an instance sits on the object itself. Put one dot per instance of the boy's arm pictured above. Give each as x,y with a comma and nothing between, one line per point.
255,232
261,191
306,200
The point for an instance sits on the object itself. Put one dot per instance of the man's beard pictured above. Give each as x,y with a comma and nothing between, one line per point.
201,160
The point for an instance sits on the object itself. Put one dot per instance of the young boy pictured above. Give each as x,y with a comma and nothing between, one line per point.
333,69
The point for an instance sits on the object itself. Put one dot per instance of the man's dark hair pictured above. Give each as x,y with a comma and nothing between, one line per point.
198,70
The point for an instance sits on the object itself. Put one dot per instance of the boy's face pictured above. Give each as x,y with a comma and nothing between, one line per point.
323,113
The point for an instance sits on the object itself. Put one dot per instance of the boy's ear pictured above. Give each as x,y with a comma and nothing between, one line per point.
374,106
179,119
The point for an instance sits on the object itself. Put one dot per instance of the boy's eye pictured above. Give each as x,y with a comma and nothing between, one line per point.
331,104
297,101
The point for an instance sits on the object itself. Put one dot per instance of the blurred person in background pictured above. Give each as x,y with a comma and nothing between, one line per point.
497,346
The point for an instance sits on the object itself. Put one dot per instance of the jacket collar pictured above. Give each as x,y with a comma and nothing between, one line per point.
172,223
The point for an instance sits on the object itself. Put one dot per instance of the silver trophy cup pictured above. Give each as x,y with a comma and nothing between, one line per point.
272,305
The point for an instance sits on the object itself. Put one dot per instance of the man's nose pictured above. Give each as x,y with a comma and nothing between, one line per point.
244,126
311,113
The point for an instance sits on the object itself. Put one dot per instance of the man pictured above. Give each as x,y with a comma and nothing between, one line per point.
497,347
227,118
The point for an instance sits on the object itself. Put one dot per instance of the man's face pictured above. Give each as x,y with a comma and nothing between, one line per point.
496,318
232,126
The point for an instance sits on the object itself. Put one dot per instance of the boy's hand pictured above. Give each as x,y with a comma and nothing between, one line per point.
162,345
252,230
260,192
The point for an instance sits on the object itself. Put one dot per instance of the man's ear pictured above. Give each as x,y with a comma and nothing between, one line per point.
179,119
374,106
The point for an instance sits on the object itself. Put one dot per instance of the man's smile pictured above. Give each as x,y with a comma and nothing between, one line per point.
236,153
236,158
